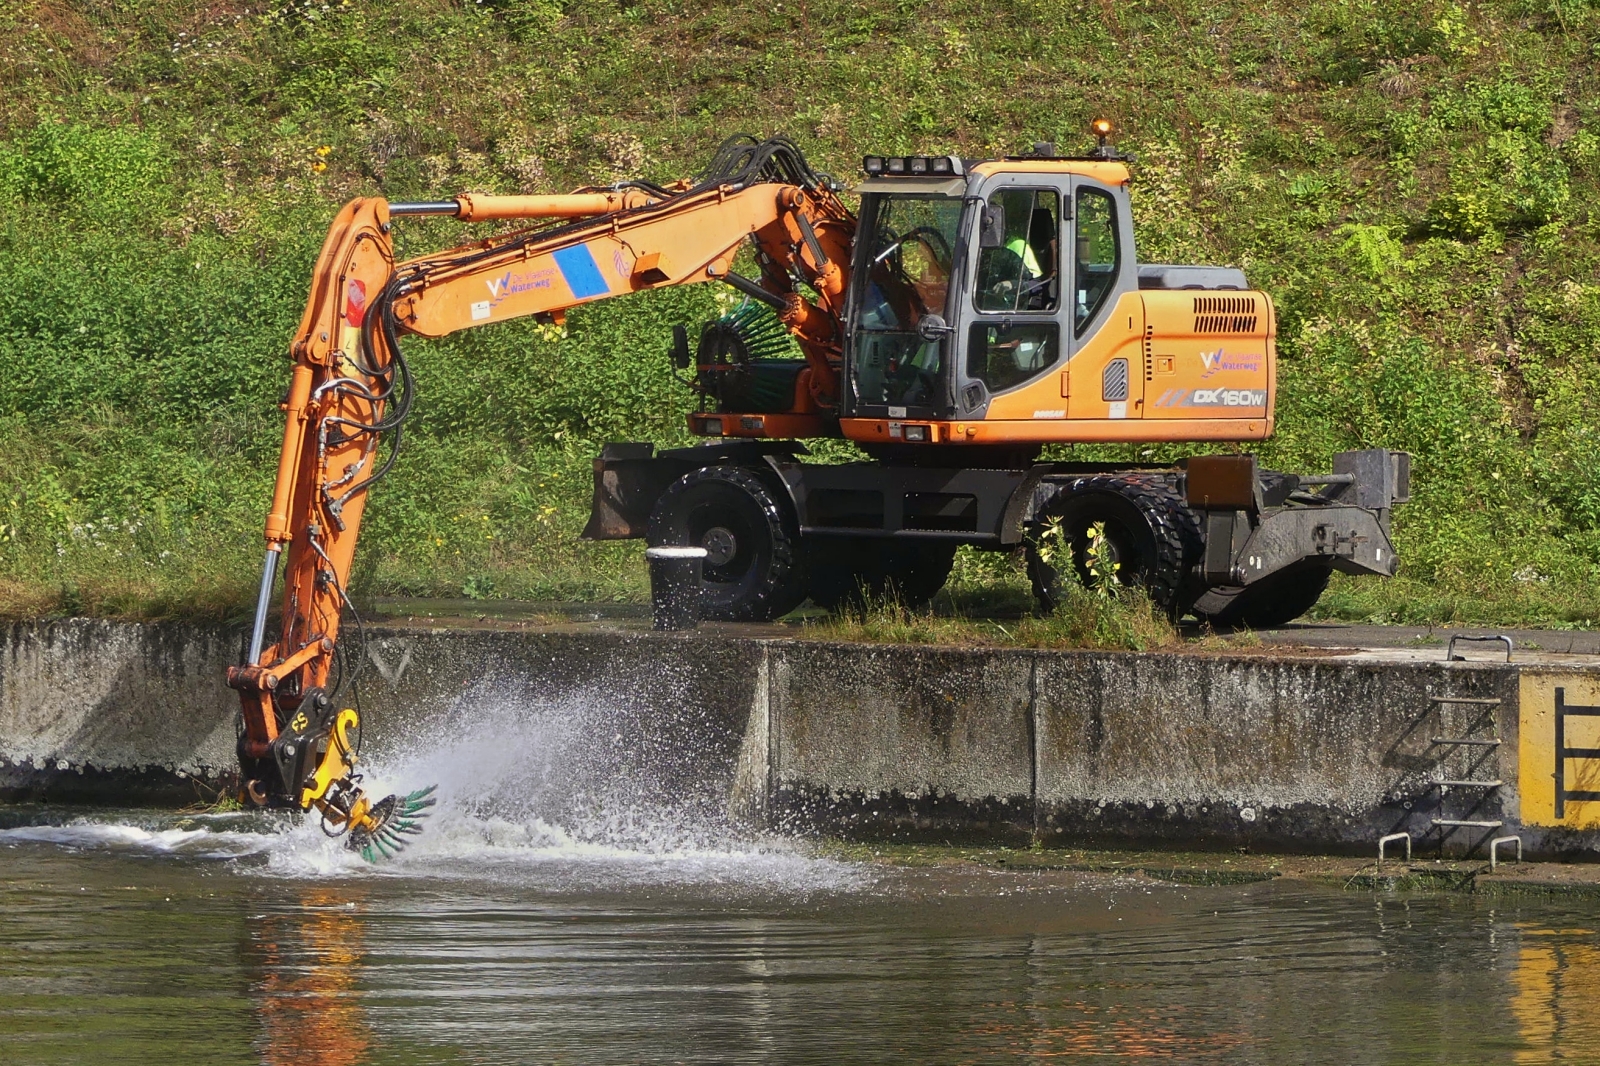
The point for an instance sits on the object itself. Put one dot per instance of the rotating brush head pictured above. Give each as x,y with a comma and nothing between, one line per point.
762,333
748,359
391,820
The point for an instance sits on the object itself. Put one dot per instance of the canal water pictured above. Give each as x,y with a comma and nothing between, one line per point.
129,937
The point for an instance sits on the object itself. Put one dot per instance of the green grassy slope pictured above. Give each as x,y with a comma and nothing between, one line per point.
1414,187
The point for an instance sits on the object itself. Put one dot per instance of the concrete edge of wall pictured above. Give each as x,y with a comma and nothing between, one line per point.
1007,746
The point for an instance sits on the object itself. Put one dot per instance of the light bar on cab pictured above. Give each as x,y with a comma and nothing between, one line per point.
915,166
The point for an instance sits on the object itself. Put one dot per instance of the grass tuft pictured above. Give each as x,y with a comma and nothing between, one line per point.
1124,619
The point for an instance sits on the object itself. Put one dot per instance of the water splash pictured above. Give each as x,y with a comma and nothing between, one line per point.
585,791
574,792
200,837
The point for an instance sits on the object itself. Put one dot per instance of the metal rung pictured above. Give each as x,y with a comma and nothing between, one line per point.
1486,743
1494,850
1480,701
1385,841
1471,784
1580,753
1582,797
1488,638
1456,823
1570,711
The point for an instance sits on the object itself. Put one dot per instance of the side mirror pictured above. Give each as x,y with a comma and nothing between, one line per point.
992,231
680,347
932,327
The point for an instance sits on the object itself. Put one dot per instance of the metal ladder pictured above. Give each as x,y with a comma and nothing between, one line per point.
1449,825
1565,710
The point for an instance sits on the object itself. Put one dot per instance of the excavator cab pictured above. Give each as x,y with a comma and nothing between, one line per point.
1002,303
973,285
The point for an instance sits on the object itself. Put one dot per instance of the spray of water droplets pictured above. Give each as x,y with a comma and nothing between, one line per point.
578,792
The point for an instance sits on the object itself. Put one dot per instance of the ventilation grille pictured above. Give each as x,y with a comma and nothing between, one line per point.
1114,381
1224,314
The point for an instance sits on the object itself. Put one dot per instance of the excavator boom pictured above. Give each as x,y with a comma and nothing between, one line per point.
350,389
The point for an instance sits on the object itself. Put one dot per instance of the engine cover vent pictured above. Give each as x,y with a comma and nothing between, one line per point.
1224,314
1114,381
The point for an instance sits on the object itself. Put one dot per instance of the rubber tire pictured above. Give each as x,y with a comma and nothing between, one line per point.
1154,534
850,571
1271,602
764,577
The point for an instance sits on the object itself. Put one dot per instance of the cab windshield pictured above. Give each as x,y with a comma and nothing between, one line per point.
910,256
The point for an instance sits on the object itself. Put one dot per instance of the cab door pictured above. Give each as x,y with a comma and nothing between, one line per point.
1013,326
1106,370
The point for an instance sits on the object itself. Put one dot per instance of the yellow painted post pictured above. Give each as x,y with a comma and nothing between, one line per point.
1542,733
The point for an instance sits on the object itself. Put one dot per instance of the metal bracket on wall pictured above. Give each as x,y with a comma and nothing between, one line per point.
1494,850
1384,841
1498,638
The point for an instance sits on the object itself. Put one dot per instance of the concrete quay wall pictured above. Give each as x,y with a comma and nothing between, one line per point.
1268,751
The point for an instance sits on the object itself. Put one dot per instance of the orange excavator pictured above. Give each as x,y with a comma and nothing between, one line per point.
973,312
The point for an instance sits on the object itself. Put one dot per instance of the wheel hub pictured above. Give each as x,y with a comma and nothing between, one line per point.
720,545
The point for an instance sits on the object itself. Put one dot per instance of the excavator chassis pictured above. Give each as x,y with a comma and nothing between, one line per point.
1216,525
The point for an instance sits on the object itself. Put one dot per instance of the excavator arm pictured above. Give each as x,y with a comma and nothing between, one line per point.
350,389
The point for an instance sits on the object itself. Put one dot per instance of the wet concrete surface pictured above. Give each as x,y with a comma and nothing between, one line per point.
1394,872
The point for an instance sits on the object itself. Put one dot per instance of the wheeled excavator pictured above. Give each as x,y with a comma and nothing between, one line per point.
969,313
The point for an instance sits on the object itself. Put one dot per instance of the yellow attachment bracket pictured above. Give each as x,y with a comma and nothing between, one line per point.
336,761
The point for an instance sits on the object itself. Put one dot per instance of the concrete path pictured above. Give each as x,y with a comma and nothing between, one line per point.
1387,643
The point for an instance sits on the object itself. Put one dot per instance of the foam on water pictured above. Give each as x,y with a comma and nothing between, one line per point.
197,837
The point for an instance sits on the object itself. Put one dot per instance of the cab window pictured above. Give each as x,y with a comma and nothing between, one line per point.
1098,255
1003,354
907,278
1021,275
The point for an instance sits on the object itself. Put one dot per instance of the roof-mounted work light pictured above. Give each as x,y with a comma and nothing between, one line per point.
900,166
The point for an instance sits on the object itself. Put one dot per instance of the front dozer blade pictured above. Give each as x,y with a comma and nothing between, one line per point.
382,833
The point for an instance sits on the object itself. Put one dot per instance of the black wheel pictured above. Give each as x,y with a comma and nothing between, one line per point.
1273,601
850,570
1151,535
752,568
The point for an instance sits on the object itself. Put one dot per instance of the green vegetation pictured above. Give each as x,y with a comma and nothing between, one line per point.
1413,183
1124,621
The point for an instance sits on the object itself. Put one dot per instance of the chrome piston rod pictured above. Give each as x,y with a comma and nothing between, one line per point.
258,629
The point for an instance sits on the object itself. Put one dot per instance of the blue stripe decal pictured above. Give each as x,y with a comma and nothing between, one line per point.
582,276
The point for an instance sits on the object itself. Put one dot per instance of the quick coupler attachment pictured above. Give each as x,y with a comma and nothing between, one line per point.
376,830
315,759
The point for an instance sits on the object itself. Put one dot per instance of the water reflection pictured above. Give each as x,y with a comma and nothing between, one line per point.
1086,1019
1072,1029
1553,991
121,957
307,998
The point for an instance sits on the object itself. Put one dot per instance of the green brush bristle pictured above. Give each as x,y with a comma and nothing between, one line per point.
764,336
402,817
